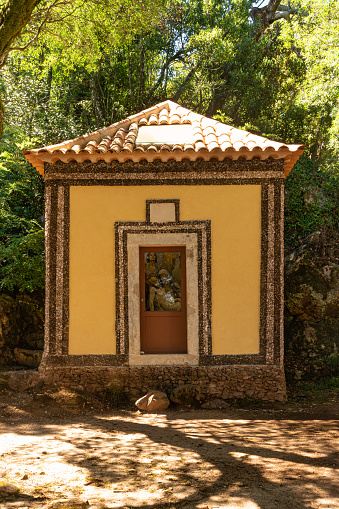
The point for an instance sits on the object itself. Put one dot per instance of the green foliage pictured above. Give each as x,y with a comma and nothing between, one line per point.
97,62
201,53
22,263
312,202
316,388
21,230
316,33
21,187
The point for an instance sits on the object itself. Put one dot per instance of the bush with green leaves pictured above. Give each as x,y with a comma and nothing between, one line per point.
312,203
21,218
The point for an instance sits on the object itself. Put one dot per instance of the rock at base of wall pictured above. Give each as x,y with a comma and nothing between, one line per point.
29,358
125,383
21,381
215,404
21,327
153,401
186,394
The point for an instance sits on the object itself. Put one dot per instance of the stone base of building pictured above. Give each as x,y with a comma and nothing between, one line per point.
224,382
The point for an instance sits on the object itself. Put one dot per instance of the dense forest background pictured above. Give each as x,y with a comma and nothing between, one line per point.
72,66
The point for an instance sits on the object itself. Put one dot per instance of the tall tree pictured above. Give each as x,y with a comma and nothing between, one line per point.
77,31
14,16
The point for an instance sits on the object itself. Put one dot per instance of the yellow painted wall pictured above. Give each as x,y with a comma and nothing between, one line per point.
234,212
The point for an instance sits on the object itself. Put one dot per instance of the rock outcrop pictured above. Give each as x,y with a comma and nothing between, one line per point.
21,330
186,395
312,310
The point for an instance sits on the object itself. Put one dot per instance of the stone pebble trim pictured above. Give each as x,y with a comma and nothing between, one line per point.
268,174
225,382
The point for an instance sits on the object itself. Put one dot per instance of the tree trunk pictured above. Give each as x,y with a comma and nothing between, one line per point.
2,116
14,15
49,84
96,99
263,17
141,77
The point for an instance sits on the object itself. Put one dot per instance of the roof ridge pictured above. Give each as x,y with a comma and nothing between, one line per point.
118,140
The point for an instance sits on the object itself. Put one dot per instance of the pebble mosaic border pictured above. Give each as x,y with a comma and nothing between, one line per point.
203,231
176,204
59,176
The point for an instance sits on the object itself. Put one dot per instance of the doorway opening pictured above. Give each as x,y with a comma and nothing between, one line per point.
163,304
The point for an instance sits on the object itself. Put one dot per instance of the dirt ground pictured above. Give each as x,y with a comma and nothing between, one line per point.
53,455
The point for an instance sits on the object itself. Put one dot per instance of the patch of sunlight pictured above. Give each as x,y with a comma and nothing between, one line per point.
327,503
235,503
134,437
12,441
159,420
239,454
212,440
236,421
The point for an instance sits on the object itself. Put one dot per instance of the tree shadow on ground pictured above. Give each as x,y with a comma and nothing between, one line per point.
232,462
196,459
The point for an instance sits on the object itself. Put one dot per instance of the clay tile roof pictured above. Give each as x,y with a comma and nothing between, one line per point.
76,148
163,116
165,131
153,119
104,144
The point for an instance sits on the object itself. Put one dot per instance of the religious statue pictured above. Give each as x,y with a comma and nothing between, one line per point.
164,294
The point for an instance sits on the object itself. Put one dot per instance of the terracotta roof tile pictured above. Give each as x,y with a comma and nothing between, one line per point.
185,119
104,144
76,148
174,118
140,148
163,116
200,145
208,131
238,144
188,146
212,145
153,120
120,141
225,145
251,144
219,129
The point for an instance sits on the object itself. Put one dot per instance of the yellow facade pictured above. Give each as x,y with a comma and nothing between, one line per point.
235,214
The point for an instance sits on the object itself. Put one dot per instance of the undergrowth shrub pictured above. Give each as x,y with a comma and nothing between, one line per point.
312,203
21,219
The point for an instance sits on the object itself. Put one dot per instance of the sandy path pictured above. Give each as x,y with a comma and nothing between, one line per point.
180,459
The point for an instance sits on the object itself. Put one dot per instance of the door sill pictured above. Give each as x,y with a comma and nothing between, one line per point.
167,359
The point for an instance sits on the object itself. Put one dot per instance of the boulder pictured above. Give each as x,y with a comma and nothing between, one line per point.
8,488
186,394
153,401
29,358
215,404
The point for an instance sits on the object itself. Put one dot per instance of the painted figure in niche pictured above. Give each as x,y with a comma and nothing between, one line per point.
164,294
151,273
176,271
151,265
